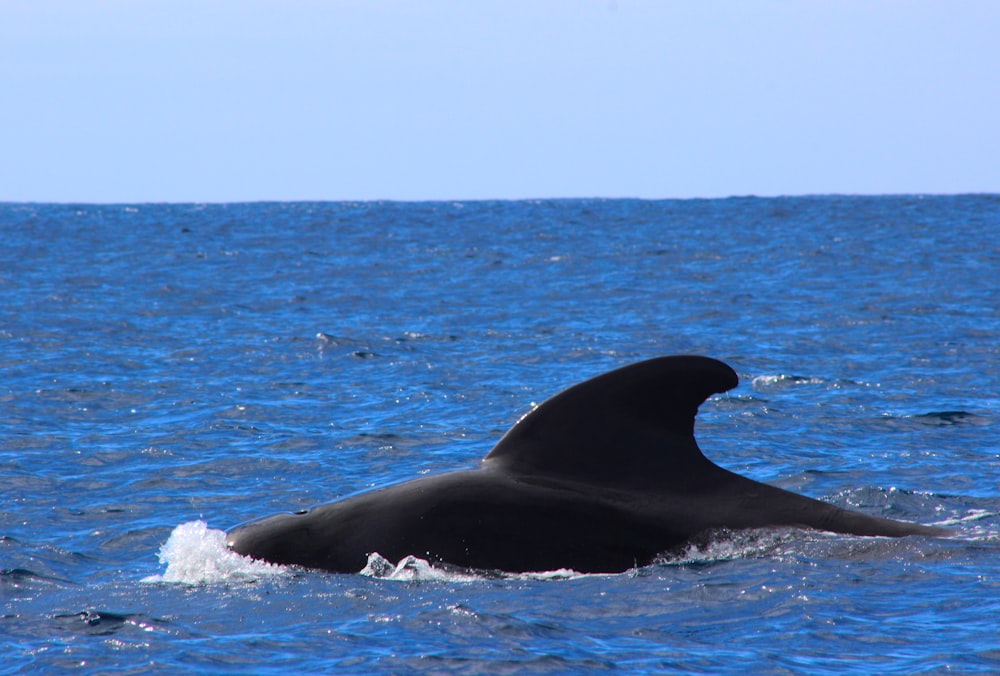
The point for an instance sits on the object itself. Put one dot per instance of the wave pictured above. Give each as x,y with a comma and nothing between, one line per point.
783,380
780,381
947,418
93,622
937,418
16,578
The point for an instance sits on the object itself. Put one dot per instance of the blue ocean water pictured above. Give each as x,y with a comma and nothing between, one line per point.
170,371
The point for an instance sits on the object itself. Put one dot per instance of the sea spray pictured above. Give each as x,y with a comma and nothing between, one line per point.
197,554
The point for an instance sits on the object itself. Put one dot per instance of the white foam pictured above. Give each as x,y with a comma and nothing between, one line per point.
971,515
783,379
197,554
975,525
413,568
728,545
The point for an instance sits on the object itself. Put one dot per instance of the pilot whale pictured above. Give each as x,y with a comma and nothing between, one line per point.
600,478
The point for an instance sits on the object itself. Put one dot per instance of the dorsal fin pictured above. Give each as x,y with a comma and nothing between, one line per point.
629,428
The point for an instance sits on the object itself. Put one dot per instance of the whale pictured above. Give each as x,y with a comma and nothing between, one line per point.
603,477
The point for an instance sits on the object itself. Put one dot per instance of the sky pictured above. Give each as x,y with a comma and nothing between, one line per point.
247,100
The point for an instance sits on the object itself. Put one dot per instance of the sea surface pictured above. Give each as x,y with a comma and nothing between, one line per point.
170,371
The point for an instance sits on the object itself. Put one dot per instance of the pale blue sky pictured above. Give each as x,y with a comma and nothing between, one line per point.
226,100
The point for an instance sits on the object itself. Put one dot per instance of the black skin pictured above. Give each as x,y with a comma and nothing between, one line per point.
600,478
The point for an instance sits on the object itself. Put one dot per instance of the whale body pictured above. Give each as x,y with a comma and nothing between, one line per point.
602,477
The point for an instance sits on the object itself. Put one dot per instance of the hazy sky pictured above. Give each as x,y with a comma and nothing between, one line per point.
225,100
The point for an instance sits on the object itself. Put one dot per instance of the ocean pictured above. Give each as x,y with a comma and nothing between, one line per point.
172,370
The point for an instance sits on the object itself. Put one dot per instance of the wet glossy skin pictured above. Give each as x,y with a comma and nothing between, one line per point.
600,478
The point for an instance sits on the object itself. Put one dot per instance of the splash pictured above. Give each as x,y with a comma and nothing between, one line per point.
412,569
726,545
197,554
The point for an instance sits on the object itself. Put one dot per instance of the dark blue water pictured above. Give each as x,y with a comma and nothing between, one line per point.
165,365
